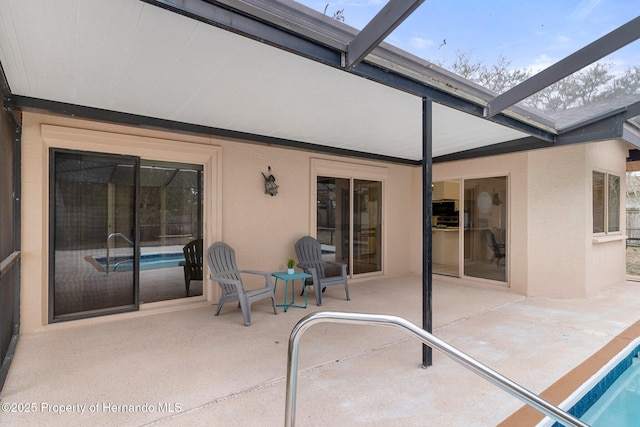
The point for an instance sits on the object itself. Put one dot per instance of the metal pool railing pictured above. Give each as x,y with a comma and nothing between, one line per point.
468,362
112,236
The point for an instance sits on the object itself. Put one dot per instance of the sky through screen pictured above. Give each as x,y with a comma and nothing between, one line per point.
533,34
525,35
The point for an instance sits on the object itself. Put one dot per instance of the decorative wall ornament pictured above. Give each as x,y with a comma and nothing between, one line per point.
270,186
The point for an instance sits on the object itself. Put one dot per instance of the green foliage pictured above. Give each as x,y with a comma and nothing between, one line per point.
291,263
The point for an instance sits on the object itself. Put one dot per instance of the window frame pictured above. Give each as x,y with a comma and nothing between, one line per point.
150,148
350,171
606,204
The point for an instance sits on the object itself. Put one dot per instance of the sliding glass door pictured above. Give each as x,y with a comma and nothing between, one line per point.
485,228
333,219
349,222
92,228
367,226
118,228
170,217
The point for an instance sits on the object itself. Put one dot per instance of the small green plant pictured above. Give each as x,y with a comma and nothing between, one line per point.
291,263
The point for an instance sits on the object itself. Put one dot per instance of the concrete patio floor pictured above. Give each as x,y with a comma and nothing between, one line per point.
180,365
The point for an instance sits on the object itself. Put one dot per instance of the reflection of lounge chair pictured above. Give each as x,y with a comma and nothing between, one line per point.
192,263
324,273
496,248
222,262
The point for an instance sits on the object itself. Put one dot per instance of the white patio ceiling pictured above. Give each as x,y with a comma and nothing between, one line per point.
132,57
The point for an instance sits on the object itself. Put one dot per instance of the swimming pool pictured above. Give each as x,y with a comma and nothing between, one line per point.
620,404
612,396
147,261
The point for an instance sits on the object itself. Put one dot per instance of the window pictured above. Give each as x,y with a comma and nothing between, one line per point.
606,203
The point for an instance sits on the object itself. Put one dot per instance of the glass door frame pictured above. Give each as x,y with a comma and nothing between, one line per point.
448,197
136,234
52,234
352,172
464,207
145,242
171,149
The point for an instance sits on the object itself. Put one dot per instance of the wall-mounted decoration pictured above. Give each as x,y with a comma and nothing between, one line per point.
270,186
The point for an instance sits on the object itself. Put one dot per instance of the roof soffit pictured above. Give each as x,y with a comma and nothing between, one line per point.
293,17
337,112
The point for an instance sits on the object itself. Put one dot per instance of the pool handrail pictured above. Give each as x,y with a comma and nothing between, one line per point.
468,362
111,236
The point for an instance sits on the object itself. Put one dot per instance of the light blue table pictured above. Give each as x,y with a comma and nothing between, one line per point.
291,278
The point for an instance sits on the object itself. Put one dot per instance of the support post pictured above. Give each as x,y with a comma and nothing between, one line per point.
427,237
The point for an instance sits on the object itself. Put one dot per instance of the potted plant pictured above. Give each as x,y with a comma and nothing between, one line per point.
290,264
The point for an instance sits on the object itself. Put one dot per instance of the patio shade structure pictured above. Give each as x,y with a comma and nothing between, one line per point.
595,51
392,15
281,65
272,72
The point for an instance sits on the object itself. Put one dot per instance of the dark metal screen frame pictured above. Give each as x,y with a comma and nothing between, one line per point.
427,237
10,266
52,222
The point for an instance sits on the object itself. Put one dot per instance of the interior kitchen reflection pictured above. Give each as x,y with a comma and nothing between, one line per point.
445,228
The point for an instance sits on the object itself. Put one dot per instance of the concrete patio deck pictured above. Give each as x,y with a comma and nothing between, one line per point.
179,365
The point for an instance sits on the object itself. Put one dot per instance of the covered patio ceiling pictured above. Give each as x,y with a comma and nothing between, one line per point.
257,70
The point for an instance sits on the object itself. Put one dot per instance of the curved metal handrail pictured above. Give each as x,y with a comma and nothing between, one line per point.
468,362
119,263
111,236
8,262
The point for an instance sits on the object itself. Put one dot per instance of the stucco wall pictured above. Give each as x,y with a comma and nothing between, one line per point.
551,247
514,167
559,209
262,229
415,239
606,257
552,252
565,259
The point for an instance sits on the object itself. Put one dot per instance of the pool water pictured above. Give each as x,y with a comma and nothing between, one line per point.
612,396
147,261
620,404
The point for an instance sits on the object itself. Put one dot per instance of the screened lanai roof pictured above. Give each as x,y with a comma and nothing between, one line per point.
83,169
267,71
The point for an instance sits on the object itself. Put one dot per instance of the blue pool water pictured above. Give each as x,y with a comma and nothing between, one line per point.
147,261
614,398
620,404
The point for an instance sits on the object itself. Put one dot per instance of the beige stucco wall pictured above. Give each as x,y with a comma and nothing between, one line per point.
559,209
514,167
606,257
560,196
262,229
552,251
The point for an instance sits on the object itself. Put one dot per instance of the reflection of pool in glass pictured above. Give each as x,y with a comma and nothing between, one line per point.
328,249
147,261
